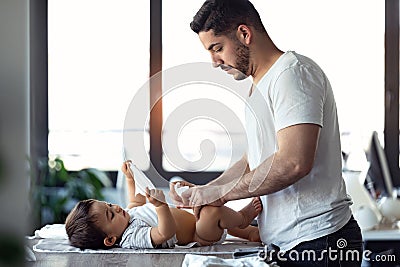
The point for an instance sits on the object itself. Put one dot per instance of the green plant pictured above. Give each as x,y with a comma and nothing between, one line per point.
58,190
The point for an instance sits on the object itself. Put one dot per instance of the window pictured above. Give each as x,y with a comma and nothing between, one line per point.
392,88
98,59
346,43
100,49
197,136
346,38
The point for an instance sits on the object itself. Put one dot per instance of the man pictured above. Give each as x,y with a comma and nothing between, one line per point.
294,156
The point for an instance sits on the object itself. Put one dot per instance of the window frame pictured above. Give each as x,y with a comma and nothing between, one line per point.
38,83
39,90
156,118
391,128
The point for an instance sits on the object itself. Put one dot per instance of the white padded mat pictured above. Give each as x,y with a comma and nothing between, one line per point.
63,246
53,239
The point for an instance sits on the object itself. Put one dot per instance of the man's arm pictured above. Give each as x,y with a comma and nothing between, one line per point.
232,174
294,159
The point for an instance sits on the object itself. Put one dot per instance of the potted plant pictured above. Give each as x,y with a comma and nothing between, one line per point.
59,189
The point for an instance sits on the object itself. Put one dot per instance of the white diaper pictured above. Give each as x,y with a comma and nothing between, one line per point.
223,237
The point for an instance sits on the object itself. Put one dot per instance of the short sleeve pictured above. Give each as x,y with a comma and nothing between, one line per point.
298,96
137,235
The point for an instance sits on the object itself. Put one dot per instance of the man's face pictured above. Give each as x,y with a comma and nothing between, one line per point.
227,53
111,218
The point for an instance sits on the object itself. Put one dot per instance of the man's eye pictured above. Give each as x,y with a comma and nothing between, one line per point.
219,49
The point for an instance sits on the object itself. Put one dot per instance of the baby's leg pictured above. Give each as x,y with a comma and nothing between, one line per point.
213,220
250,233
186,225
250,211
208,229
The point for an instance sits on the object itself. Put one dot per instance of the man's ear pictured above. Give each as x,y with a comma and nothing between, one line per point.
110,241
244,34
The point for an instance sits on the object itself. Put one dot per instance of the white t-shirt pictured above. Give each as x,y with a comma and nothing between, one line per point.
294,91
137,234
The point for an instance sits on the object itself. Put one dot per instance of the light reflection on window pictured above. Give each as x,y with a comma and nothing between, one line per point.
98,59
348,44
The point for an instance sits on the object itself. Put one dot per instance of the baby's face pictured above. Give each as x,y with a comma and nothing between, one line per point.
112,219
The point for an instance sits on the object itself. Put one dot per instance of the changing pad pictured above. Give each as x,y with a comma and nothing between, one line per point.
63,246
53,239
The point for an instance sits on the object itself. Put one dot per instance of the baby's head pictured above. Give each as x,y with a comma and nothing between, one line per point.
96,224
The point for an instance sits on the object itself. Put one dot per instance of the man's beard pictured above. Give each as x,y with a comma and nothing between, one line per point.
242,61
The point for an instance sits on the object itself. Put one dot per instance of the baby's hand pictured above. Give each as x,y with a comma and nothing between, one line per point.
127,170
156,197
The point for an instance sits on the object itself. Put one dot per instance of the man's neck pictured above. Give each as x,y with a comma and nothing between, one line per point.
264,55
262,66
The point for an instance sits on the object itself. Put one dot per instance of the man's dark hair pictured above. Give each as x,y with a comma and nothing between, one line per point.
224,16
81,227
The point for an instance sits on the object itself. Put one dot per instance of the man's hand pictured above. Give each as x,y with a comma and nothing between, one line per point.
199,196
174,195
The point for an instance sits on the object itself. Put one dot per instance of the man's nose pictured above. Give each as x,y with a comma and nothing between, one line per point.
215,64
216,61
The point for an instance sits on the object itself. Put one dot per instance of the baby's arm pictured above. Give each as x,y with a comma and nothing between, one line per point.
134,200
166,228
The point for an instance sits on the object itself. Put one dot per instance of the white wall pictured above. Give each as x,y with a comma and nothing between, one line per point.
14,116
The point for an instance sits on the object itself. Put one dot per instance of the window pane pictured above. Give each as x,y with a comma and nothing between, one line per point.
206,141
346,38
98,60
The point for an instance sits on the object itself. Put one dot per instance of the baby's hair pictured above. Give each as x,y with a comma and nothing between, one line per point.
82,229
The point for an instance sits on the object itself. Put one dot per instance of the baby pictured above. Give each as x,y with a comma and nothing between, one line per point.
94,224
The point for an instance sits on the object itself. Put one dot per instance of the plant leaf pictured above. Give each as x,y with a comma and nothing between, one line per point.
101,176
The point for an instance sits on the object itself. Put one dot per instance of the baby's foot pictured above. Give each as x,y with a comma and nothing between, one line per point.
250,211
254,234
